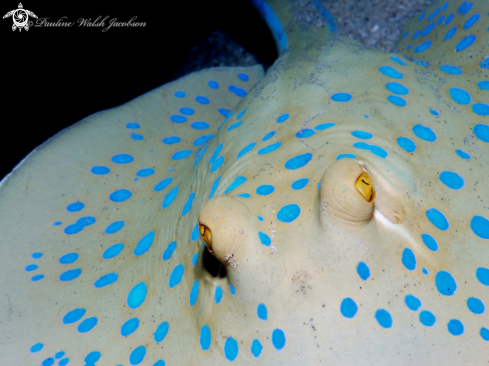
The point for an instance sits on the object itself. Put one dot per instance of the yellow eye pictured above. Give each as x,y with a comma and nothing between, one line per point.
365,187
205,235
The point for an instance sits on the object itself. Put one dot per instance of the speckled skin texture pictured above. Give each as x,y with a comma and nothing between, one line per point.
343,281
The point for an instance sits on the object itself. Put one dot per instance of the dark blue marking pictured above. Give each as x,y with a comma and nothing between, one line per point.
234,125
455,327
264,238
176,118
412,302
87,325
444,7
282,118
445,283
199,125
269,148
214,187
215,154
440,20
362,135
202,100
427,30
176,276
170,249
416,35
305,133
398,101
213,84
114,227
122,159
480,226
48,362
437,218
237,91
460,96
188,204
120,195
68,258
217,164
471,21
194,293
397,88
161,332
465,43
243,77
451,69
205,337
430,242
422,47
256,348
348,307
179,94
349,156
449,19
484,333
341,97
450,33
133,125
33,267
278,339
200,153
162,184
424,133
200,141
289,213
409,259
363,271
298,161
231,349
434,14
300,183
397,59
465,7
407,144
482,275
268,135
390,72
137,295
75,206
137,356
482,110
113,251
262,312
169,198
171,140
404,35
144,244
485,63
475,305
462,154
245,150
324,126
129,327
265,190
384,318
427,318
241,114
74,315
421,17
187,111
451,180
70,275
218,295
225,112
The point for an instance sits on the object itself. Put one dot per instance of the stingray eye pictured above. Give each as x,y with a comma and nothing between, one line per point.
365,187
205,235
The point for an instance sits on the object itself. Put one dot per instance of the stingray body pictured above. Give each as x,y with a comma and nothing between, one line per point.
102,261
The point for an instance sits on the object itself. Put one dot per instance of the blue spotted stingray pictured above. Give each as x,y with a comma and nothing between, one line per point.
334,210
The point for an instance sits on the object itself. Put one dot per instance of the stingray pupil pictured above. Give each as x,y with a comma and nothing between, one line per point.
365,182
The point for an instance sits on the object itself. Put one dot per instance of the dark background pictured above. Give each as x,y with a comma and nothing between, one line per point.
53,77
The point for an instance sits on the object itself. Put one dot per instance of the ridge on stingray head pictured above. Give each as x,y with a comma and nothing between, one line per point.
333,210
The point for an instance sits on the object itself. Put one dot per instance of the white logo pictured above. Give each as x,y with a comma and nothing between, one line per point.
20,17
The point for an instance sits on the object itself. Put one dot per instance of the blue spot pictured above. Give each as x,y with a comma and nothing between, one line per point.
324,126
129,327
231,349
384,318
348,308
201,140
409,46
122,159
362,135
246,150
195,233
430,242
79,225
482,110
455,327
397,88
341,97
176,276
75,206
187,111
397,59
424,133
475,305
179,155
216,153
169,198
264,238
87,325
363,271
200,125
144,244
179,94
404,35
37,277
268,135
349,156
485,63
451,180
398,101
137,356
471,21
421,17
217,164
452,70
305,133
390,72
225,112
480,226
265,190
188,204
449,19
289,213
232,290
412,302
113,251
120,195
31,267
244,195
106,280
194,258
437,218
243,77
133,125
445,283
262,312
465,43
36,255
409,259
92,357
427,30
214,187
48,362
278,339
435,113
241,114
171,140
450,33
462,154
205,337
59,354
484,333
434,14
256,348
440,20
213,84
282,118
70,275
300,183
427,318
202,100
74,315
237,91
422,63
37,347
218,295
298,161
137,295
407,144
114,227
236,183
416,35
163,184
200,153
234,125
460,96
68,258
444,7
161,332
425,271
194,293
136,137
464,8
422,47
260,218
483,85
100,170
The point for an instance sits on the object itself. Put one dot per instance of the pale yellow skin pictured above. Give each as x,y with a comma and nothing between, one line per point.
310,266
